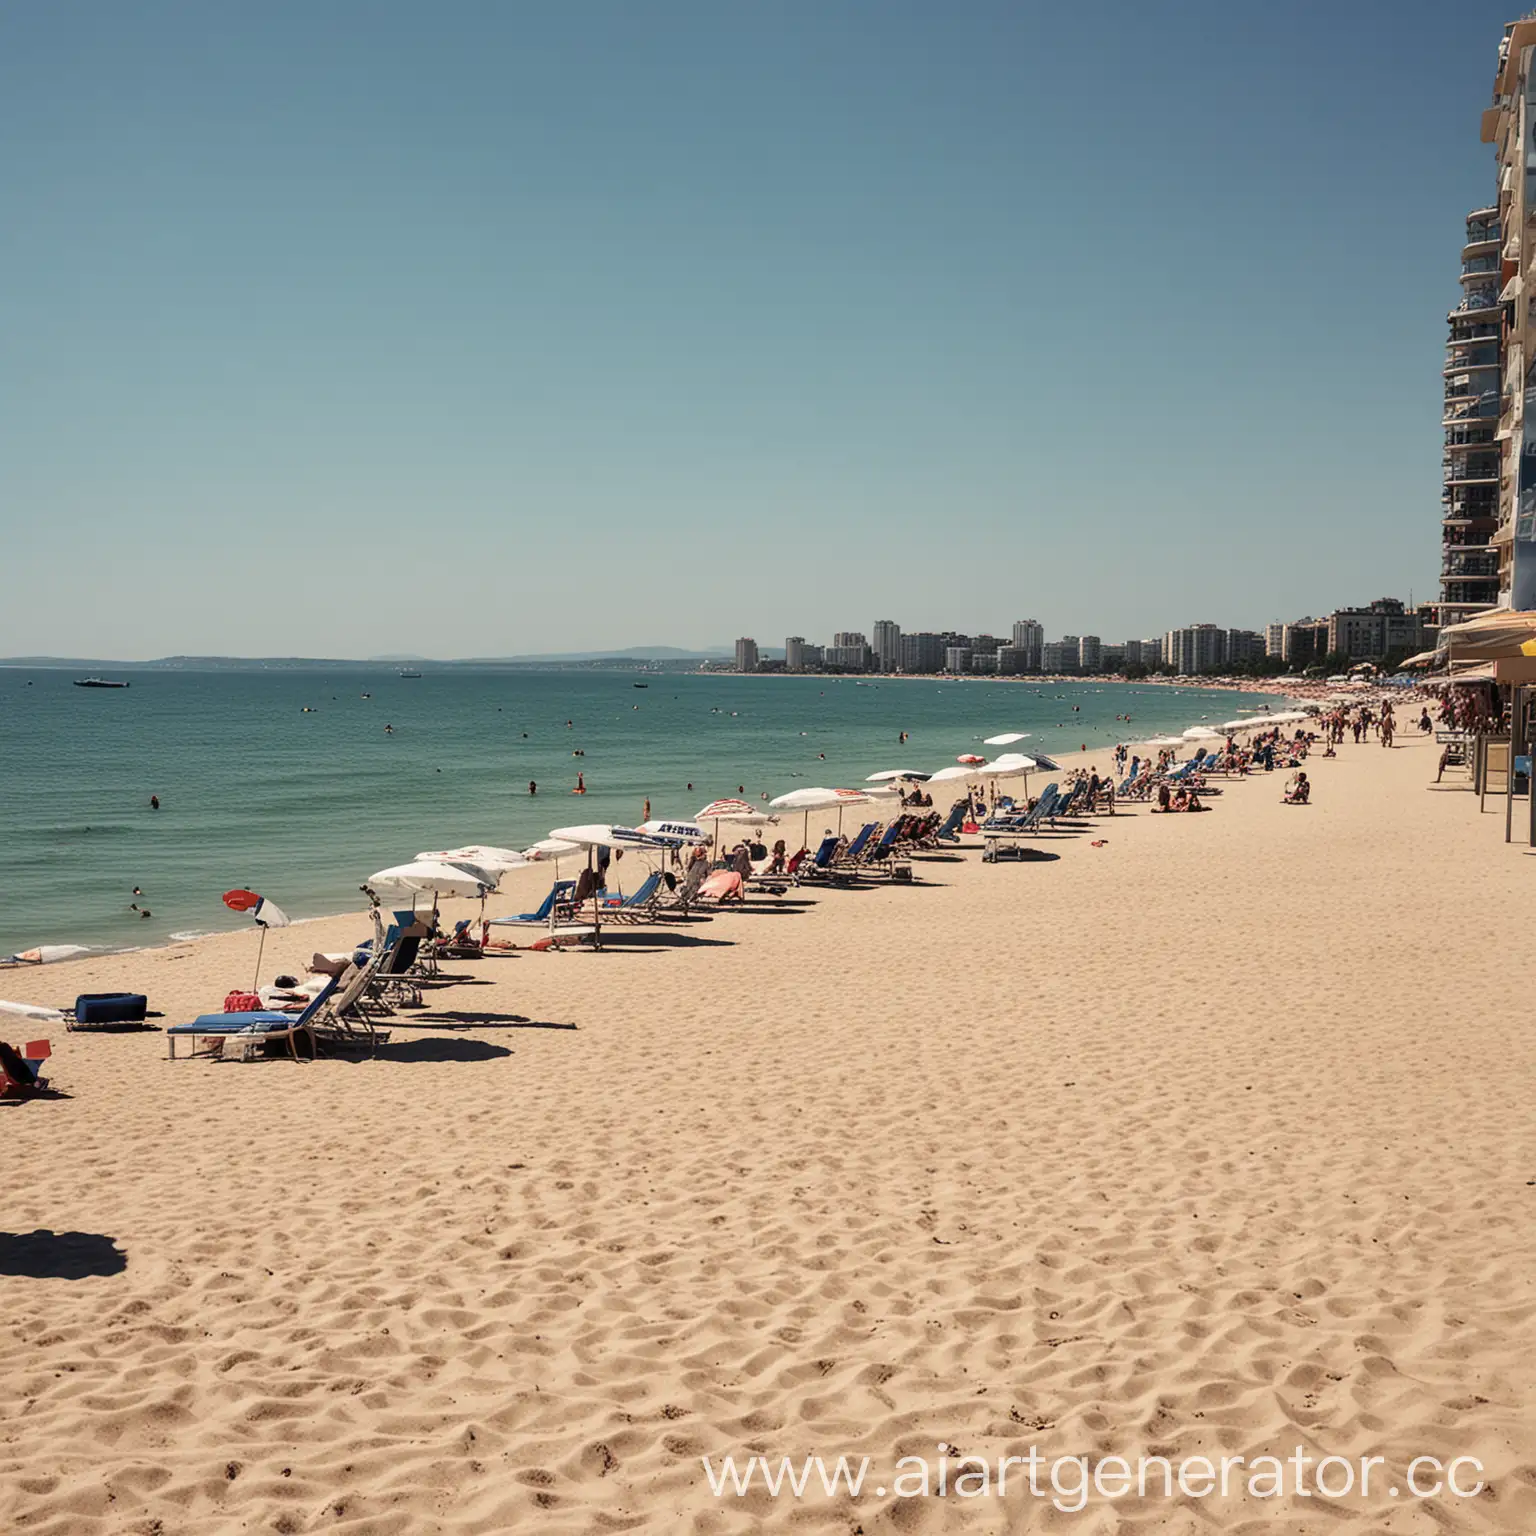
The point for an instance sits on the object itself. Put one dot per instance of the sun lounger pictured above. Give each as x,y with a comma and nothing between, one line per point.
21,1071
335,1018
949,831
639,906
559,897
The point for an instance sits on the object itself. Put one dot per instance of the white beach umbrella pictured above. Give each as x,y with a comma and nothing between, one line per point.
482,856
742,812
34,1011
553,848
1166,741
1007,739
887,774
424,877
47,954
956,772
818,799
1200,733
681,831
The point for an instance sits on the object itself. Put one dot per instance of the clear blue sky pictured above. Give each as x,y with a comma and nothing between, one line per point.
481,328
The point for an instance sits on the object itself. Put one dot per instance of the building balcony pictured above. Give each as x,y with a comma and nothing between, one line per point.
1463,331
1469,437
1470,567
1479,240
1471,359
1480,302
1479,593
1479,266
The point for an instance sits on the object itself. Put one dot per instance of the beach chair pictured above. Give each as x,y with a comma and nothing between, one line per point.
949,830
854,852
560,896
885,859
639,906
334,1018
21,1072
682,900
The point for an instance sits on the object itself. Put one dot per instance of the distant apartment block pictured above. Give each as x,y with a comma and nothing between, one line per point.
1499,292
1274,640
1470,462
1029,637
794,654
1090,653
1368,634
746,655
922,652
887,645
957,658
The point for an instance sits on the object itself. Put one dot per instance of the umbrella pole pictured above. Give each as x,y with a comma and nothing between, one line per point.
261,944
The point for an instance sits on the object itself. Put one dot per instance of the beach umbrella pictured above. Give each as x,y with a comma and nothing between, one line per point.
741,811
265,914
887,774
1200,733
819,799
1007,739
946,774
496,861
969,757
682,831
555,848
47,954
1166,741
421,878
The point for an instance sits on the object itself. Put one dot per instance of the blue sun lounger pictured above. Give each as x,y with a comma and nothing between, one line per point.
256,1027
560,894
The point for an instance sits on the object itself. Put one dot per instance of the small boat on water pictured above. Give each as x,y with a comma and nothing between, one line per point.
640,685
99,682
410,674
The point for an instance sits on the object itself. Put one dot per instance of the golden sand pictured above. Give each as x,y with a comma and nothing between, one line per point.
1217,1139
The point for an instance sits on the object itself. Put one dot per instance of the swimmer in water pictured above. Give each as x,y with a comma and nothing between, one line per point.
533,788
154,802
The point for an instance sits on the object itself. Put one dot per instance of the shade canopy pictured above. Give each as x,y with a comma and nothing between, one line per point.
945,774
675,831
48,954
600,835
1010,764
1007,739
887,774
551,848
1166,741
969,757
1200,733
814,799
425,877
1495,636
736,810
482,856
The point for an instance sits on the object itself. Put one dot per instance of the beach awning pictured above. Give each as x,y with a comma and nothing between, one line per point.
1492,636
1424,659
1482,674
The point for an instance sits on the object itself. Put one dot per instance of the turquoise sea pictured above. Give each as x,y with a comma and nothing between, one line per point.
302,806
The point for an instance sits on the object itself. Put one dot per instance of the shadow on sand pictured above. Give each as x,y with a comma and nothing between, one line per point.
45,1255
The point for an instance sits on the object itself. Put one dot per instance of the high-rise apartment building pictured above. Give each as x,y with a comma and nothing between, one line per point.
1274,640
957,658
1059,656
794,654
1501,289
1090,653
922,652
1029,637
746,655
1198,648
1469,497
849,651
887,645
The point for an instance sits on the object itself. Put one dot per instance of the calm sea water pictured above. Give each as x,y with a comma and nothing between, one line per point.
303,806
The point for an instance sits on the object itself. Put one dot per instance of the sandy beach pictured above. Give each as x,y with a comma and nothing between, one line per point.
1213,1140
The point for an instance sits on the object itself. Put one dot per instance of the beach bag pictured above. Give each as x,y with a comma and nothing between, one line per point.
242,1002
